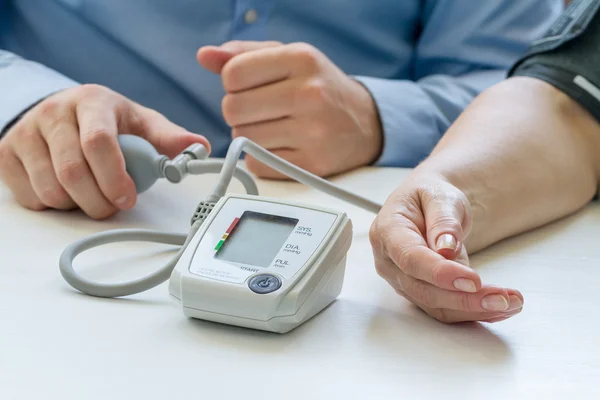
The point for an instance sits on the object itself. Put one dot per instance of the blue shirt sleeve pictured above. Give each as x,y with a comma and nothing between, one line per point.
23,84
465,47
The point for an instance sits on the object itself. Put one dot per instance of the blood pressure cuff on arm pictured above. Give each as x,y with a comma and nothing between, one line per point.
568,55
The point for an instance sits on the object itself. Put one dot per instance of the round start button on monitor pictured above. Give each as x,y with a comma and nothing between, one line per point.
264,283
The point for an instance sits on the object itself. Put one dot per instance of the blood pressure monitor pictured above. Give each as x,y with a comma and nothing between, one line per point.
247,260
262,263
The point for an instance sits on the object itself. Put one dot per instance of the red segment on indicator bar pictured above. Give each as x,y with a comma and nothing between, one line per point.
233,224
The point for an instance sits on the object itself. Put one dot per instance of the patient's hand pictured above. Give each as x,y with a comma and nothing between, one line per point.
418,245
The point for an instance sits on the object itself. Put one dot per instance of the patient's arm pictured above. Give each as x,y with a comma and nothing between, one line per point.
524,154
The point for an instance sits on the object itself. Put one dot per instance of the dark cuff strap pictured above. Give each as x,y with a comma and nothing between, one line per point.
575,86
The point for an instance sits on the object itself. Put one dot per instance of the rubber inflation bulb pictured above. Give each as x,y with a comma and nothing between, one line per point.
142,161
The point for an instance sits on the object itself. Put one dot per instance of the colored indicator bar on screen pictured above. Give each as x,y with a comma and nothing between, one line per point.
227,232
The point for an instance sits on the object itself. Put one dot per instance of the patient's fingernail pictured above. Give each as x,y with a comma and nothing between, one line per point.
465,285
122,200
514,303
446,242
494,302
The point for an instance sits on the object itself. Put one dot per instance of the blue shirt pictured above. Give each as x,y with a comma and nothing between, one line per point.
422,60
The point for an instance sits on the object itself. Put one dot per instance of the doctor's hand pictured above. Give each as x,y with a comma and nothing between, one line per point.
292,100
63,153
418,246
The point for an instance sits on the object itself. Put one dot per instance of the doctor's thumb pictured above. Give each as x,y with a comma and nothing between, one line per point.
174,142
214,58
167,138
447,220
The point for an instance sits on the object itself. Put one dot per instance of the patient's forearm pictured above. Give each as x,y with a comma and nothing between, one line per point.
524,154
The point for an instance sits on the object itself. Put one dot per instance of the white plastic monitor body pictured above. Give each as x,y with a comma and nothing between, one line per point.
263,263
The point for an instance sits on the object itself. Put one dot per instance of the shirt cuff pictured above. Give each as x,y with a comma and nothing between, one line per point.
410,129
25,83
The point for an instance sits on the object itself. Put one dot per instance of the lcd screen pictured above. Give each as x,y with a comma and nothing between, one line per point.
256,239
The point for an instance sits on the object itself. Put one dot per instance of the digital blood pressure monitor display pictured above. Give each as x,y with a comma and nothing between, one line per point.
255,238
250,236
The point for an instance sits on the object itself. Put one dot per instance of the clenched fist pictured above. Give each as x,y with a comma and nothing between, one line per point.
64,152
418,243
292,100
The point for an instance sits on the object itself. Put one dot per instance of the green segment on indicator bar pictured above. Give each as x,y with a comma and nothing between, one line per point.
219,245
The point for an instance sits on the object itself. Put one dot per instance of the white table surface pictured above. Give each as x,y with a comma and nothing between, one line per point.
370,344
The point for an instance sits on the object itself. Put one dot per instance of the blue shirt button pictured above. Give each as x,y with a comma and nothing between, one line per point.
250,16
